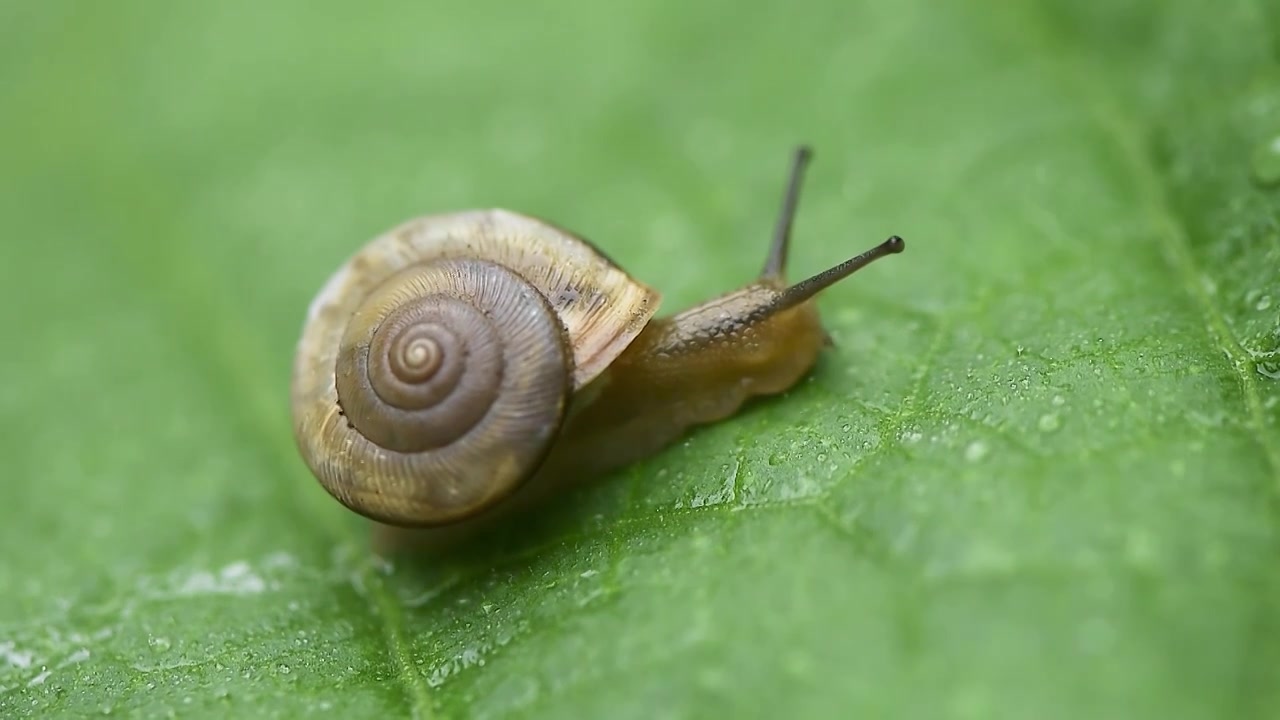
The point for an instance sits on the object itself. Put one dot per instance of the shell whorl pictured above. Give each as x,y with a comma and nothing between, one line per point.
436,366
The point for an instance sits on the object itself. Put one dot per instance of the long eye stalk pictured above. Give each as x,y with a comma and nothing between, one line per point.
775,264
806,289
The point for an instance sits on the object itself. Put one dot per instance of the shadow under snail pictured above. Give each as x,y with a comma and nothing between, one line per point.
465,361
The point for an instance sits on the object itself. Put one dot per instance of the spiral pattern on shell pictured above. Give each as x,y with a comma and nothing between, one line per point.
456,374
436,366
420,366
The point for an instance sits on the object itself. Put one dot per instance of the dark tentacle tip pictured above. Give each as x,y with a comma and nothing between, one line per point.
895,244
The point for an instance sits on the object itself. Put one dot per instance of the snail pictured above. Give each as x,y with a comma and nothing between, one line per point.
460,359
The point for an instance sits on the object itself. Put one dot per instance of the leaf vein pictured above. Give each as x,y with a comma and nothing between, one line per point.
214,340
389,607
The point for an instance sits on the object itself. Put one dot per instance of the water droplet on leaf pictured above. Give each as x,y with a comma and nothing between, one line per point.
975,451
1269,369
1049,422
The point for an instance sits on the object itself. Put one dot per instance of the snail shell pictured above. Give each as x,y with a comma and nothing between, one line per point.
437,365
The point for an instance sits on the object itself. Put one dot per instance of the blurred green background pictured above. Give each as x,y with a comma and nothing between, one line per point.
1037,477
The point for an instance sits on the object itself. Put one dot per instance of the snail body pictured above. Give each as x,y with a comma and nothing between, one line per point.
463,358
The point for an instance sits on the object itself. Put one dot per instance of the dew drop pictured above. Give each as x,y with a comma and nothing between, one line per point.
1049,422
1059,401
976,451
1264,302
1266,162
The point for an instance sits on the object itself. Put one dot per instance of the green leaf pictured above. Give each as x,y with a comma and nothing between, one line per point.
1038,476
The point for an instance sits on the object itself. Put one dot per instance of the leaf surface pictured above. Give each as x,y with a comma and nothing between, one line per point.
1038,475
